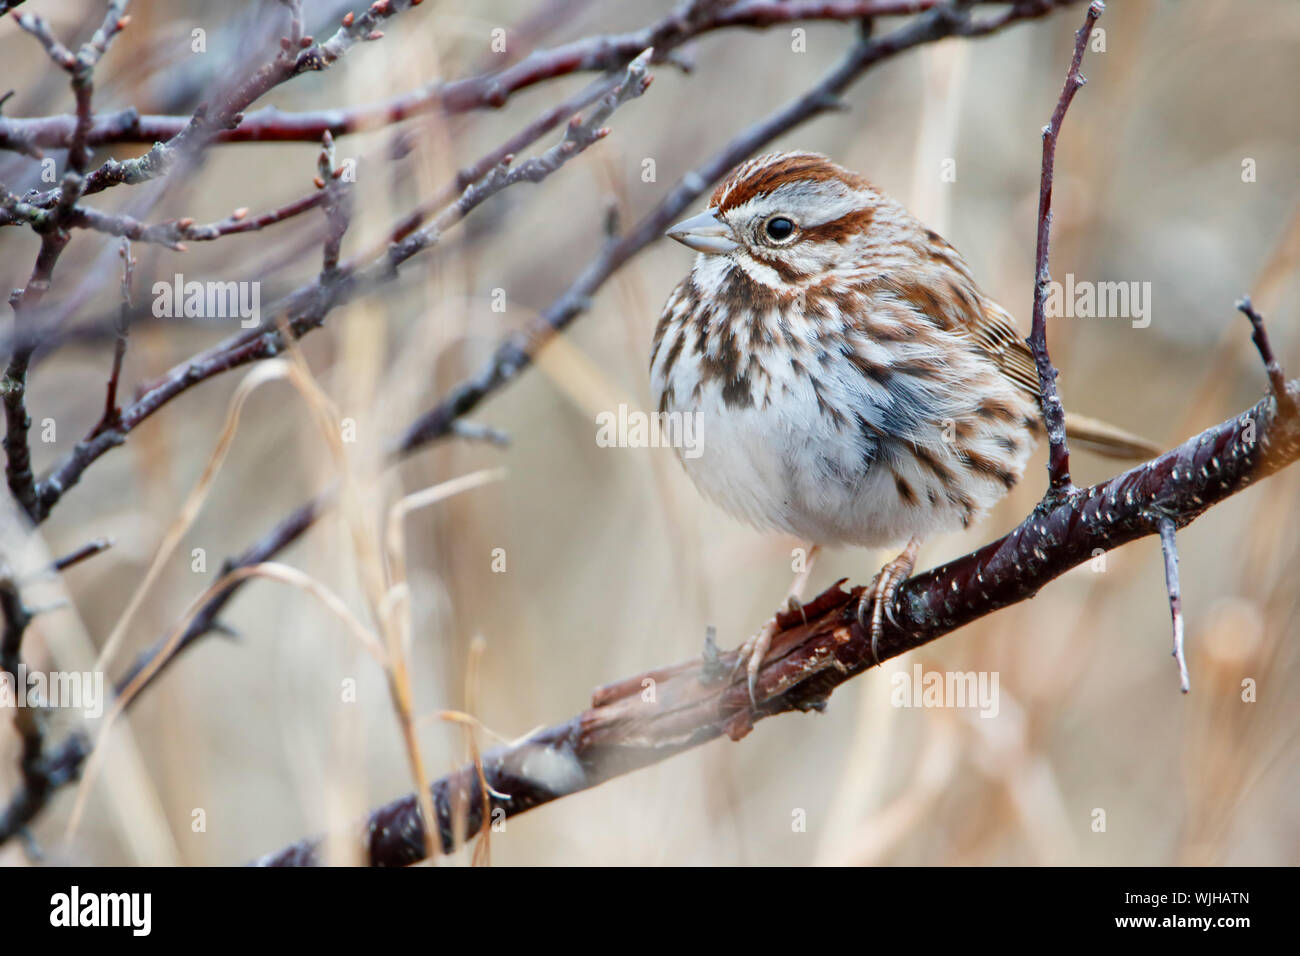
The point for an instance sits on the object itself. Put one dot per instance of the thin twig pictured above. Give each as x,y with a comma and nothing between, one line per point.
1058,459
87,550
1259,335
112,413
59,565
487,91
54,238
1169,548
307,307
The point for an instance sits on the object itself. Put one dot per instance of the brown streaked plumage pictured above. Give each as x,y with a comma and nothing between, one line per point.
852,383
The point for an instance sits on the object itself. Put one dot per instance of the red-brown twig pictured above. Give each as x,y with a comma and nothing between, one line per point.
1259,335
488,91
1058,457
210,120
87,550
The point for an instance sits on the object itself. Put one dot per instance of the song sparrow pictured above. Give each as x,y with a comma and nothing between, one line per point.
854,386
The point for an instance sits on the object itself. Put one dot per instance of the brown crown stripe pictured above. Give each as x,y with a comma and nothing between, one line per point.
809,167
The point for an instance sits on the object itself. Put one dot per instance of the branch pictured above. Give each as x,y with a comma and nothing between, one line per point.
516,352
36,783
112,412
623,732
87,550
1058,456
210,120
308,306
1259,335
54,238
487,91
310,303
1169,548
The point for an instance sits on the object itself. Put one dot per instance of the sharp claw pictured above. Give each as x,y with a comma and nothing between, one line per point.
741,659
889,608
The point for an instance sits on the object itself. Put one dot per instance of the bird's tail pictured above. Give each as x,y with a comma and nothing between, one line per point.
1106,439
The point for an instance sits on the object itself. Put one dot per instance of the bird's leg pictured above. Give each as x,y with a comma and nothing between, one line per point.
794,600
754,650
880,593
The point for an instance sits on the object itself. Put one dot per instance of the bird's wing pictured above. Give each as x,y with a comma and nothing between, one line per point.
961,307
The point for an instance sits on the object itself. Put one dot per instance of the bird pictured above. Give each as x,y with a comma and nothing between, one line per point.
851,383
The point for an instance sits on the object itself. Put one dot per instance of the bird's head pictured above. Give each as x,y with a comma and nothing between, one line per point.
785,218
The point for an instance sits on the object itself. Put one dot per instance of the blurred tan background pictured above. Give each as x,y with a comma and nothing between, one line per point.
613,563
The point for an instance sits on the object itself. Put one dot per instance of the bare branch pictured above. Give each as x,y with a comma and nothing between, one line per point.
488,91
87,550
112,413
821,645
307,307
1058,458
1259,335
515,353
54,237
1169,548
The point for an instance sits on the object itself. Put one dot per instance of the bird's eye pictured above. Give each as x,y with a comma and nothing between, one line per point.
779,228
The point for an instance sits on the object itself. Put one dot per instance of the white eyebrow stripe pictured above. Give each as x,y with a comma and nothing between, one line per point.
809,202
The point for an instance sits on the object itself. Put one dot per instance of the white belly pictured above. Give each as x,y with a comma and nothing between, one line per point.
872,477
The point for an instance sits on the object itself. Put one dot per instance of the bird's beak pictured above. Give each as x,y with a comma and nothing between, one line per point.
704,233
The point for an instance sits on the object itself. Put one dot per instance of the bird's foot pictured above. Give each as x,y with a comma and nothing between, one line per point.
882,591
752,654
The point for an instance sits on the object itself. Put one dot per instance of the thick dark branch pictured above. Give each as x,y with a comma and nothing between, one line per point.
1058,455
623,731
